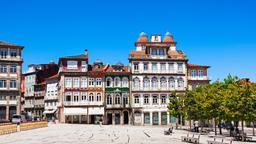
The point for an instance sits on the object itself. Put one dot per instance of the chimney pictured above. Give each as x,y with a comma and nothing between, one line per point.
86,52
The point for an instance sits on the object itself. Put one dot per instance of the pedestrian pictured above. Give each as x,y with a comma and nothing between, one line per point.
196,123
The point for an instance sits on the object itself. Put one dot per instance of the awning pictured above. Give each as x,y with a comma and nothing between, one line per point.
75,111
96,111
50,111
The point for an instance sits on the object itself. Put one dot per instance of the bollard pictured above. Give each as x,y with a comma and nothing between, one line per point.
18,127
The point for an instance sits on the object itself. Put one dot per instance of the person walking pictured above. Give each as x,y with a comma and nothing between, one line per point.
196,124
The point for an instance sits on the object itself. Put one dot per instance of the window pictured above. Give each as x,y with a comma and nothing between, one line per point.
171,67
171,83
72,65
146,99
76,96
180,67
193,73
83,82
136,83
109,82
13,52
91,81
163,67
84,66
3,68
136,100
13,84
155,100
146,82
125,82
154,67
145,66
68,96
163,82
109,99
13,69
68,82
180,83
154,83
125,97
83,96
3,53
76,82
200,73
2,83
161,52
117,82
98,97
163,99
136,66
154,52
117,99
91,97
98,81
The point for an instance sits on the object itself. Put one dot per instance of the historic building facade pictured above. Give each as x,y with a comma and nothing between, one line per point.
158,69
81,90
51,98
197,75
10,79
117,95
35,87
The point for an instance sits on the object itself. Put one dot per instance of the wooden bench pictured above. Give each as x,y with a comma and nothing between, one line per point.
189,139
218,142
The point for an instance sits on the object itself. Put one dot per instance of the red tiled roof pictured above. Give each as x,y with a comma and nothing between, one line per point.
168,38
53,77
197,65
3,43
111,69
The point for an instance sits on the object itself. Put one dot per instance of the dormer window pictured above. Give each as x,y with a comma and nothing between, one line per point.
161,52
72,64
154,51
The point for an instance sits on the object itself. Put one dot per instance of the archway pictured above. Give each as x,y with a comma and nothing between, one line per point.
126,117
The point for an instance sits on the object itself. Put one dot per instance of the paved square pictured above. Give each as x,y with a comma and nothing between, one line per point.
95,134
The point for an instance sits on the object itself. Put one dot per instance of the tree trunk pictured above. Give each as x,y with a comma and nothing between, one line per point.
215,127
190,127
243,126
220,127
253,130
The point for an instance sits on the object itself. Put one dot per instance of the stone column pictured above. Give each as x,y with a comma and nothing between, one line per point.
159,118
121,118
7,112
151,118
142,118
168,119
113,118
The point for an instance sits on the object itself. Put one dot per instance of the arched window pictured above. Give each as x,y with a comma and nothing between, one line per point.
180,83
117,99
98,97
109,82
154,83
171,83
136,83
125,82
109,99
117,82
91,97
163,82
146,82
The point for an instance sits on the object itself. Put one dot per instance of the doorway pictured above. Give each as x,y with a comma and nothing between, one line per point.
109,118
126,117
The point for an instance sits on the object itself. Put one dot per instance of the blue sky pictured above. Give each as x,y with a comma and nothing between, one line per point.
219,33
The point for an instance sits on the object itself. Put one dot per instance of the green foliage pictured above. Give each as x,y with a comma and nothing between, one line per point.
233,99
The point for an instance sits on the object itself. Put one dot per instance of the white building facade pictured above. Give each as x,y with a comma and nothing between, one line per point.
157,70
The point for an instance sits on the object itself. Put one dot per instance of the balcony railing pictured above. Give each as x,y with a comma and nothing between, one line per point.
82,103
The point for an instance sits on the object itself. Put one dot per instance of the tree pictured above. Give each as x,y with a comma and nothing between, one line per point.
175,106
